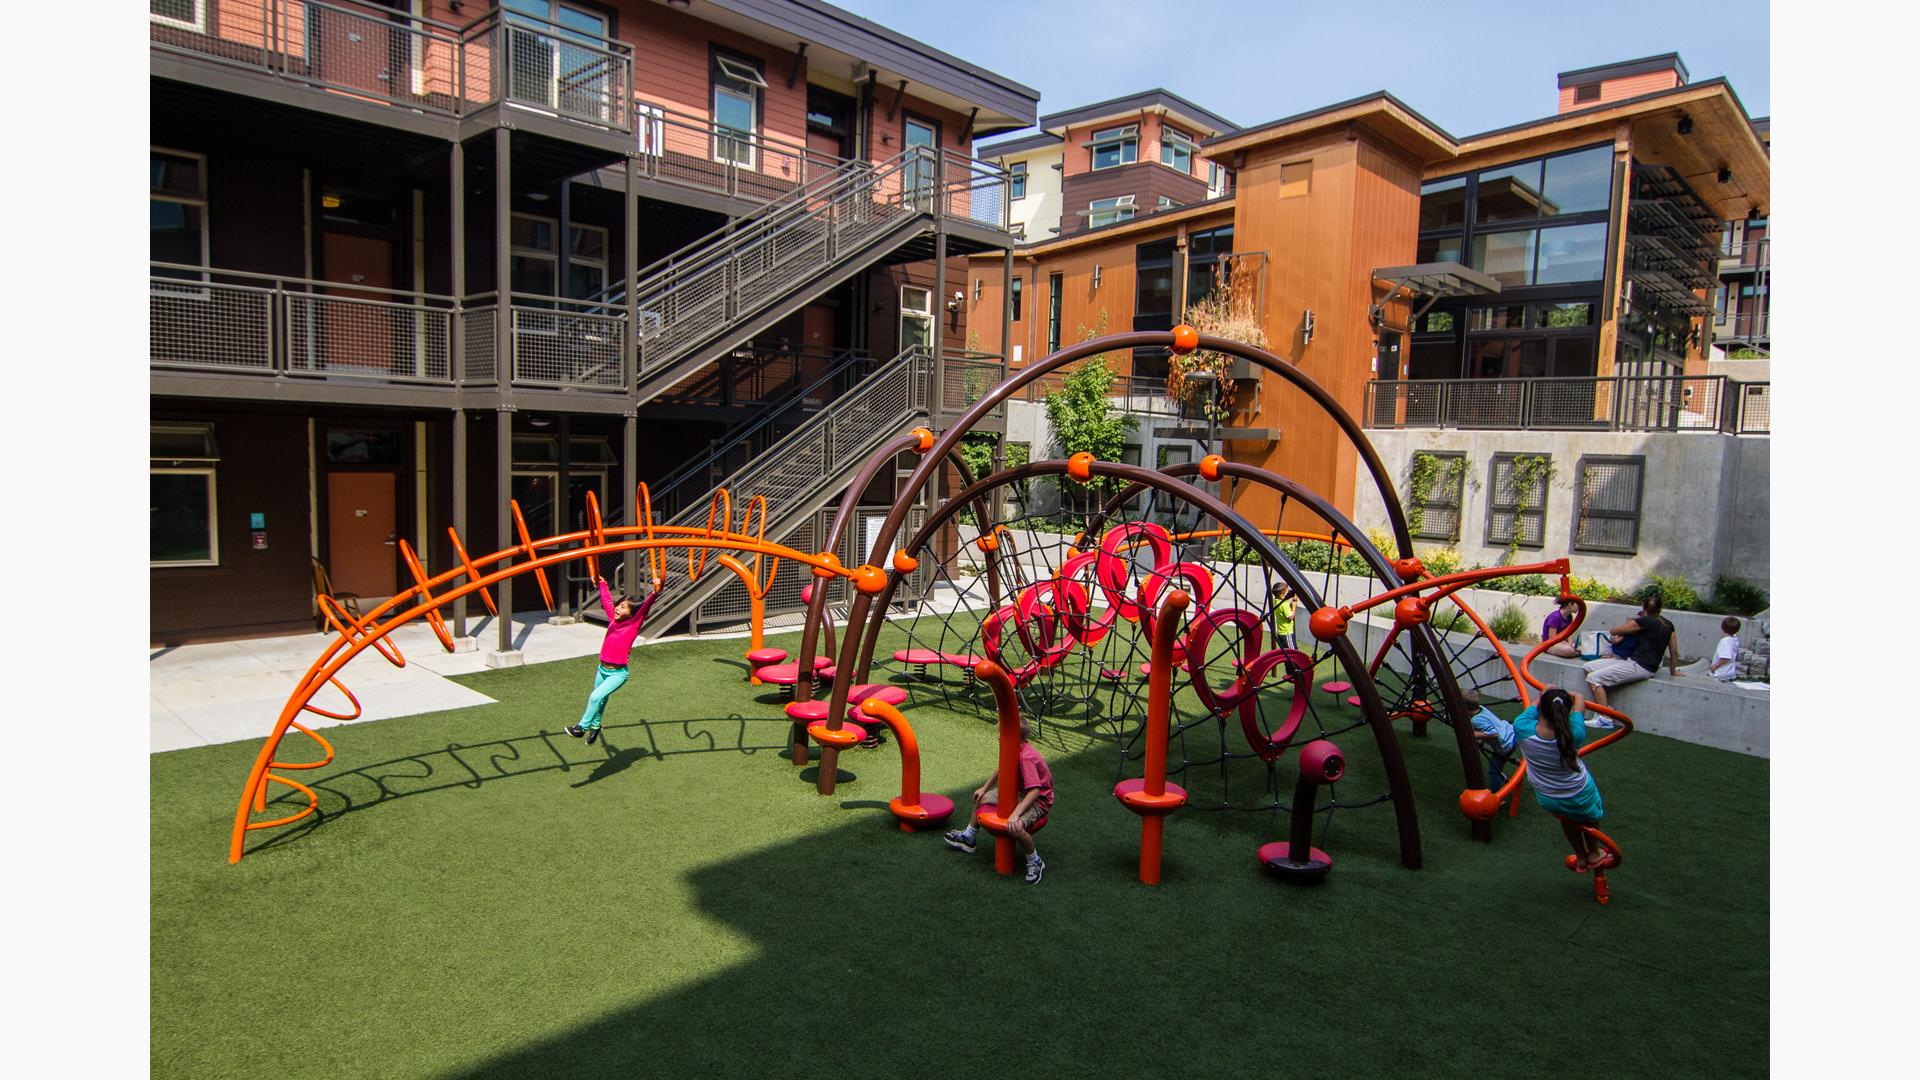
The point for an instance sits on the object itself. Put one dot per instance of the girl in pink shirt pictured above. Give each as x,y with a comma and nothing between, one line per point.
623,625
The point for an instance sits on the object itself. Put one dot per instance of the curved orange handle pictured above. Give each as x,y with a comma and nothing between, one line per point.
473,574
596,532
526,547
719,508
656,557
419,573
348,628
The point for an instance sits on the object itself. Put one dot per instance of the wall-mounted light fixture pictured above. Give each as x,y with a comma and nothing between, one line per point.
1306,328
1096,276
976,288
958,299
1686,124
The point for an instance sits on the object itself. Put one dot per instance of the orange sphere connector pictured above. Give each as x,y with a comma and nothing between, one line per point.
1080,466
869,579
831,560
1409,568
925,440
1410,612
1328,623
988,542
1210,467
904,562
1185,339
1479,804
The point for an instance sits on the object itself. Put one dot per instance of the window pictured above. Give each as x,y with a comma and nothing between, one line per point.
177,206
1296,179
559,57
1209,258
1013,298
737,85
1512,512
1438,513
1443,204
1587,92
1116,146
1218,180
1109,211
181,502
534,262
1176,150
1529,223
1153,302
185,14
1053,314
916,317
1607,511
1018,174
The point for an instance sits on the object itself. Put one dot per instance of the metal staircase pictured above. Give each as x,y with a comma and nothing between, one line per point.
798,474
738,281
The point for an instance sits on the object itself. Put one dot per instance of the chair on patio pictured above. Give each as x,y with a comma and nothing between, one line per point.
323,586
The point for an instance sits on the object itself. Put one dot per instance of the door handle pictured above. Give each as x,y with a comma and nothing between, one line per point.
391,537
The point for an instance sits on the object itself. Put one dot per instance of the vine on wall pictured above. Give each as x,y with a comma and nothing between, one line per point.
1425,473
1529,471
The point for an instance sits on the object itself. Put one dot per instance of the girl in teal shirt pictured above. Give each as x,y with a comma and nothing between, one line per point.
1550,734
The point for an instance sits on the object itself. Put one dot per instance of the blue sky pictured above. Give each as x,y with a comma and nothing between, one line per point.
1467,66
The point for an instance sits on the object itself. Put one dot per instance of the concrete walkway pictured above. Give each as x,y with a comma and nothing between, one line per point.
228,691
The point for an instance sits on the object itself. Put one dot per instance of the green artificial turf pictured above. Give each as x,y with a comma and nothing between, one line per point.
485,897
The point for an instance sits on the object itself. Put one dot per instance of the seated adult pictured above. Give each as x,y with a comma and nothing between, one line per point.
1653,636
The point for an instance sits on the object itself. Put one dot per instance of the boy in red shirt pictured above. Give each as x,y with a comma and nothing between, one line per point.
1036,800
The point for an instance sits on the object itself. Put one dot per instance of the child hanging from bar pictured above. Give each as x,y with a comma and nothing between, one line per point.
624,619
1035,802
1550,733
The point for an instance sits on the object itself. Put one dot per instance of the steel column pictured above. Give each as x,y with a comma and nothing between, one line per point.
939,322
460,507
503,362
503,520
456,359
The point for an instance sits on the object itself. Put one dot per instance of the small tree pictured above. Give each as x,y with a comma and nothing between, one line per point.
1227,311
1085,419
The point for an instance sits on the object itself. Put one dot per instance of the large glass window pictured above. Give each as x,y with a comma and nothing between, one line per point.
737,85
1578,183
1152,301
1443,204
534,262
181,504
1108,211
1528,223
1571,253
1506,257
1209,259
1053,314
1116,146
177,206
1176,150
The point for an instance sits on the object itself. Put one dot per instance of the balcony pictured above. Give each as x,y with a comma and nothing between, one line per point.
1707,403
321,335
1744,255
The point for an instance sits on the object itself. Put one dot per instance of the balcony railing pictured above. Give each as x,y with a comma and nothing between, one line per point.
556,343
1744,327
221,320
1745,252
1619,403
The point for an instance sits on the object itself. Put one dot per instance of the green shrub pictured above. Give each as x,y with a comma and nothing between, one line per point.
1738,597
1675,593
1450,618
1587,588
1528,585
1440,561
1510,624
1232,549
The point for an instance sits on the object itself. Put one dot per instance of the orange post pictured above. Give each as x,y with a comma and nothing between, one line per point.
1151,796
1007,793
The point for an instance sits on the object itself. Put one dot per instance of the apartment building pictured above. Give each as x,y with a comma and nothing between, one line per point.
1741,301
411,260
1109,162
1552,277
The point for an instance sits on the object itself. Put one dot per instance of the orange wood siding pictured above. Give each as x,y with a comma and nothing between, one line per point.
1616,89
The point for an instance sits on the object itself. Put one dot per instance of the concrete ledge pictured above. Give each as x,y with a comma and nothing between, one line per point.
466,644
506,659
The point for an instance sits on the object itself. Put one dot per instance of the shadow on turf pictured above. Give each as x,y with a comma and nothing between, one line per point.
470,766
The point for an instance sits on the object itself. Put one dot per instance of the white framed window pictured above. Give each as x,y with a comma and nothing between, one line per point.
183,503
1164,203
177,207
1216,180
534,261
916,317
1176,150
185,14
737,85
1115,146
1108,211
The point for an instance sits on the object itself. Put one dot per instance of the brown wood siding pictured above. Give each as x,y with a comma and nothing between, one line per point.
883,316
263,469
1617,89
1146,182
672,66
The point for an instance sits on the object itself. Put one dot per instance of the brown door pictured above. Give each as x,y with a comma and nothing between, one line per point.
356,324
360,532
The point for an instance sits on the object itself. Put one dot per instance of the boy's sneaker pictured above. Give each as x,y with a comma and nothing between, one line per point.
1602,722
1035,867
593,736
574,730
960,841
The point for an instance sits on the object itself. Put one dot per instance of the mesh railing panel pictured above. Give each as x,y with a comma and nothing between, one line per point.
210,326
1609,505
558,73
1574,403
564,348
1492,403
351,336
367,51
1754,415
481,328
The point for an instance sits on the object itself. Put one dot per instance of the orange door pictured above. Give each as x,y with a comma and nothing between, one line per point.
359,334
360,532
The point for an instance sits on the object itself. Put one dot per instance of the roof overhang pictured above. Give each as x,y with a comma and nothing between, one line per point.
1380,114
1157,101
849,47
1432,282
1022,145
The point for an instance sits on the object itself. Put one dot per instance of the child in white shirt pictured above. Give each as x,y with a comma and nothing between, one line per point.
1726,654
